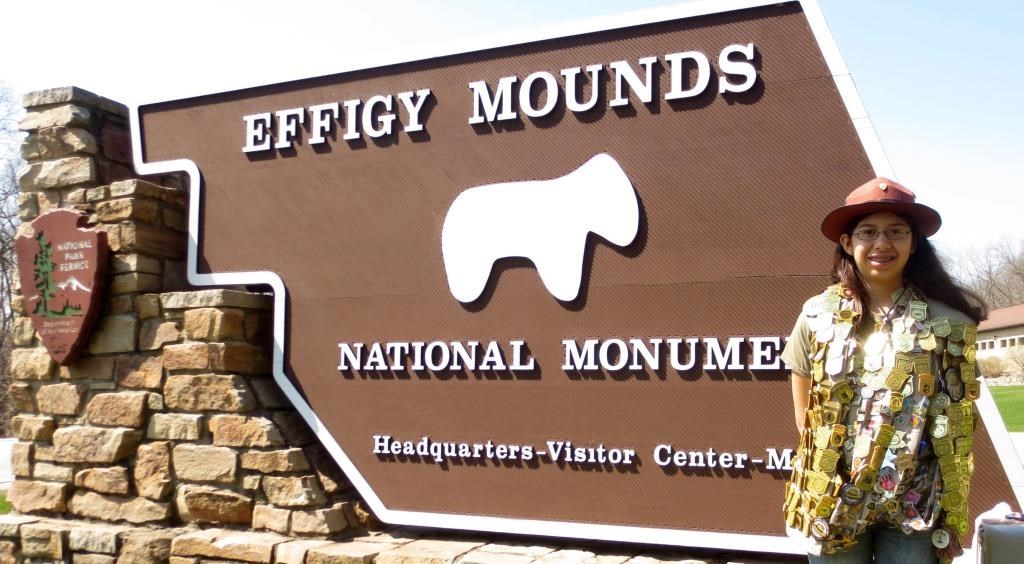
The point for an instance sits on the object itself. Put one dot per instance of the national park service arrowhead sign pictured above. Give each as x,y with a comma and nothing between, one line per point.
62,265
542,287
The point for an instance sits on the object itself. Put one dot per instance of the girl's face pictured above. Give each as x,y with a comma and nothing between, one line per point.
881,245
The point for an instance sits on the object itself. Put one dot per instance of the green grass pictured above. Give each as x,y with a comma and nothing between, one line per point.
5,506
1010,400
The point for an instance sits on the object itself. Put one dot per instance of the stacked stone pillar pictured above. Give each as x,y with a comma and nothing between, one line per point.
170,415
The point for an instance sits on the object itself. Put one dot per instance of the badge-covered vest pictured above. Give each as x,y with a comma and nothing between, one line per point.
888,428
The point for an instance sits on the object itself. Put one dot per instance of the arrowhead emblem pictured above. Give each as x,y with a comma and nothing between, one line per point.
62,266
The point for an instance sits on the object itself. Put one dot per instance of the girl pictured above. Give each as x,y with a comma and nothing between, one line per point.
883,386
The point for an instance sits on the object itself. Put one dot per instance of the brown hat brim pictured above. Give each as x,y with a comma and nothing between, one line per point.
926,220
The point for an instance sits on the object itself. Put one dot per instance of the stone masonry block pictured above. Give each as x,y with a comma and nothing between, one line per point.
174,219
113,235
92,444
21,459
271,518
31,364
214,324
175,277
28,206
202,463
103,539
97,194
136,510
22,331
135,187
112,480
269,393
44,451
46,541
60,399
187,356
116,142
228,545
114,334
74,197
10,524
57,142
93,558
50,472
124,209
147,546
241,431
204,504
18,301
157,332
242,358
120,409
293,428
63,115
32,427
319,521
123,263
28,496
175,426
145,371
208,392
59,173
153,241
48,200
10,551
147,306
89,367
22,399
345,552
134,283
152,471
268,461
121,304
215,298
72,94
293,491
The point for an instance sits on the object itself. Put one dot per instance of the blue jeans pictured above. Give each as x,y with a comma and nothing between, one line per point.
886,545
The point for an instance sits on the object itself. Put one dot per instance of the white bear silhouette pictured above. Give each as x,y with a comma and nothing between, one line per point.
545,221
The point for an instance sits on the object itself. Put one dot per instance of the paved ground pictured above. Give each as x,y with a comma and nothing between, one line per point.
1018,442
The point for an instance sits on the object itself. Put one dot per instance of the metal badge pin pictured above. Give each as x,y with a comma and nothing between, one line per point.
851,494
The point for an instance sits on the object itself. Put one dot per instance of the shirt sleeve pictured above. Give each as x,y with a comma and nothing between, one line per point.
795,354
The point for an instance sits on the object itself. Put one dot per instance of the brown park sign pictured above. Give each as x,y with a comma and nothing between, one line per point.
62,267
542,287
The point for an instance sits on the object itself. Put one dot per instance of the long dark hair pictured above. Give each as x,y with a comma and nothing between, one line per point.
924,271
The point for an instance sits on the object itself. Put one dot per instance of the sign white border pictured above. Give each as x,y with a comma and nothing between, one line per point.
565,529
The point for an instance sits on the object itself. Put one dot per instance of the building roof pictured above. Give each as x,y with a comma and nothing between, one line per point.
1005,317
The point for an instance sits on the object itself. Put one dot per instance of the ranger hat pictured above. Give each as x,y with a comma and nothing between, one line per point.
881,195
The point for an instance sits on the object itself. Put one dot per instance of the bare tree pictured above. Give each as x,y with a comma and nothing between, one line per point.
10,161
996,273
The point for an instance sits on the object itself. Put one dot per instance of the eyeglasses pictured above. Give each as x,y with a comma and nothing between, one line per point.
870,234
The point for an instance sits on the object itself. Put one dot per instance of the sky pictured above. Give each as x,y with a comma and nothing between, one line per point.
940,79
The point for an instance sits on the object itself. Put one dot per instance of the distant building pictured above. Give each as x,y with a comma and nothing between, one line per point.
1002,332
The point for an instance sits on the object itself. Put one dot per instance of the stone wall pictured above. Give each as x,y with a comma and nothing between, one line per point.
170,415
